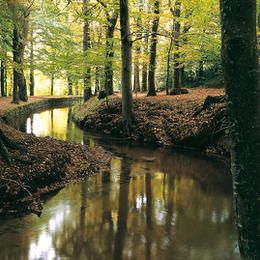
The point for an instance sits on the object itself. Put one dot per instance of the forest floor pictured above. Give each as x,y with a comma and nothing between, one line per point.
41,166
171,121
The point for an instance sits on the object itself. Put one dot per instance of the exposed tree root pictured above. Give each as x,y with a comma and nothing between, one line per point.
208,102
4,152
5,143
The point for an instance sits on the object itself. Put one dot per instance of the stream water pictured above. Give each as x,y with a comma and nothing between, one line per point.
151,204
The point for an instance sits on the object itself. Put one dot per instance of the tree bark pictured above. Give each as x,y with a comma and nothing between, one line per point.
126,79
240,65
136,75
153,48
32,82
137,57
70,85
86,47
52,84
144,66
19,82
144,77
110,53
200,73
16,61
97,80
177,27
168,67
2,82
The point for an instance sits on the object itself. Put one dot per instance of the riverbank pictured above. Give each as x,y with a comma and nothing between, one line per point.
41,165
169,121
8,110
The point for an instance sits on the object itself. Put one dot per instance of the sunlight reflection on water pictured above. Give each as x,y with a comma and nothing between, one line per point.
176,207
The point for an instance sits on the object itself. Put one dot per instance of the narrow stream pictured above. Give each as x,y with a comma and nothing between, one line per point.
152,204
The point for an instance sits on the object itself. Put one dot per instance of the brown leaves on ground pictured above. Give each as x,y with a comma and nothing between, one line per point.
44,165
166,120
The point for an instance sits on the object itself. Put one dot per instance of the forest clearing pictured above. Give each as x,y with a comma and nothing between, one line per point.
129,129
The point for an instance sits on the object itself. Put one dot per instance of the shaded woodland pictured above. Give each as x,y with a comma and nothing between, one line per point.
135,61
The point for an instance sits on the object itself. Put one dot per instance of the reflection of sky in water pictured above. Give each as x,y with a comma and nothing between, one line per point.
141,209
54,123
42,247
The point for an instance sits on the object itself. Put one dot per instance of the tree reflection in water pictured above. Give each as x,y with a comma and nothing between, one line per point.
123,206
175,207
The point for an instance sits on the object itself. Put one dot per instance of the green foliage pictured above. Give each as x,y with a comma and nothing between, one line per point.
57,37
6,27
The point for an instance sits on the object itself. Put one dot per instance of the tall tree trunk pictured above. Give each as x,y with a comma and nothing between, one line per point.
2,82
52,84
97,80
144,66
76,88
137,57
153,48
16,61
32,82
200,73
70,85
86,47
144,77
110,53
126,79
136,75
145,50
19,39
177,27
240,65
168,68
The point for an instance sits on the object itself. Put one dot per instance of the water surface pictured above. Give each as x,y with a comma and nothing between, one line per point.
151,204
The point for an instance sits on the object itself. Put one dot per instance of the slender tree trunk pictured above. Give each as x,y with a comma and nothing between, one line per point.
126,79
200,73
144,78
136,76
52,84
70,85
110,54
137,57
76,88
16,61
145,51
97,80
168,67
32,82
86,47
241,74
31,63
182,73
176,13
153,48
144,66
5,82
2,82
